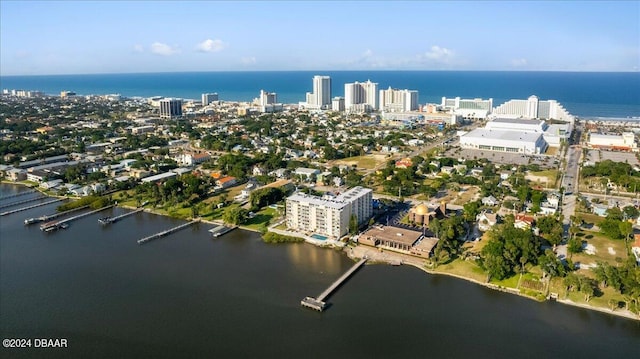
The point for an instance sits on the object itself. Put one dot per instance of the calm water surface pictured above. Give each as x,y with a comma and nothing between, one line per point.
189,295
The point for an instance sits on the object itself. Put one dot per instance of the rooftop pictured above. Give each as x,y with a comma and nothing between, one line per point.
388,233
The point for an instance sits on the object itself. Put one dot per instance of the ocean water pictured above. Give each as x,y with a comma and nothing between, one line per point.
584,94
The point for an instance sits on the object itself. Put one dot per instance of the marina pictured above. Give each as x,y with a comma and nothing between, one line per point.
32,206
108,220
51,216
166,232
51,226
318,303
221,230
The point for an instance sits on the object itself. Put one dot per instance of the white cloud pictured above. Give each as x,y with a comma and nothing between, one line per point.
138,48
249,60
159,48
519,62
439,54
209,45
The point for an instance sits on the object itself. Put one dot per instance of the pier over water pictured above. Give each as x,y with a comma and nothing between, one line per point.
318,302
166,232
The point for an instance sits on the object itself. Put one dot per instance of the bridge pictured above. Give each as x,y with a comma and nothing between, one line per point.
318,302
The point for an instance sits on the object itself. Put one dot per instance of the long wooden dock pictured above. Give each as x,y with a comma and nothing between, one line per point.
108,220
17,194
54,225
21,202
32,206
318,302
49,217
166,232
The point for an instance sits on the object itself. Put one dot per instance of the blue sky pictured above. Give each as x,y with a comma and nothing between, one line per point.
71,37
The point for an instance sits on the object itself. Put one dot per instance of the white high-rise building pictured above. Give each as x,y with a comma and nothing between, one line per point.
328,216
320,98
394,100
361,96
208,98
533,108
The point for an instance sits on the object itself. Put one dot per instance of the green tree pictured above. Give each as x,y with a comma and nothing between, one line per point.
235,215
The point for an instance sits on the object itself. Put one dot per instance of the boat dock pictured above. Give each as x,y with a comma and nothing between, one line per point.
17,194
318,302
51,216
166,232
47,227
220,230
32,206
108,220
21,202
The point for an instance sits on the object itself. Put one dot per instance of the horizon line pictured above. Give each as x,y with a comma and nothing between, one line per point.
319,71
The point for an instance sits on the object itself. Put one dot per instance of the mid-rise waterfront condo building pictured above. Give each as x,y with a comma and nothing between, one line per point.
170,108
208,98
361,96
476,108
328,215
533,108
394,100
320,98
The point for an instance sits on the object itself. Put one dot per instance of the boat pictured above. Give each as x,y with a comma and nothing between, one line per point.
105,220
64,225
30,221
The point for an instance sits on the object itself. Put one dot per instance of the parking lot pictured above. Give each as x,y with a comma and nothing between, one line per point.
594,156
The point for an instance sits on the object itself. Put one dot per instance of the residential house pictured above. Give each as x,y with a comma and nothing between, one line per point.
489,201
523,221
226,182
486,220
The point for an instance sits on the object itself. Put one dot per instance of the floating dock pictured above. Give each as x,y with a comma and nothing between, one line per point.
51,216
108,220
220,230
166,232
17,194
318,302
22,202
50,226
32,206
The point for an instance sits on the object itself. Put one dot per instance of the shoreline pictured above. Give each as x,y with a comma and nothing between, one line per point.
622,314
349,252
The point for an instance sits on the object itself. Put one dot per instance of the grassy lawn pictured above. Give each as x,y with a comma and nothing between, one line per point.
467,196
549,174
366,162
602,245
590,218
511,282
262,219
463,268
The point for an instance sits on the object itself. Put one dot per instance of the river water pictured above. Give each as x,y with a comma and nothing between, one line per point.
191,295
